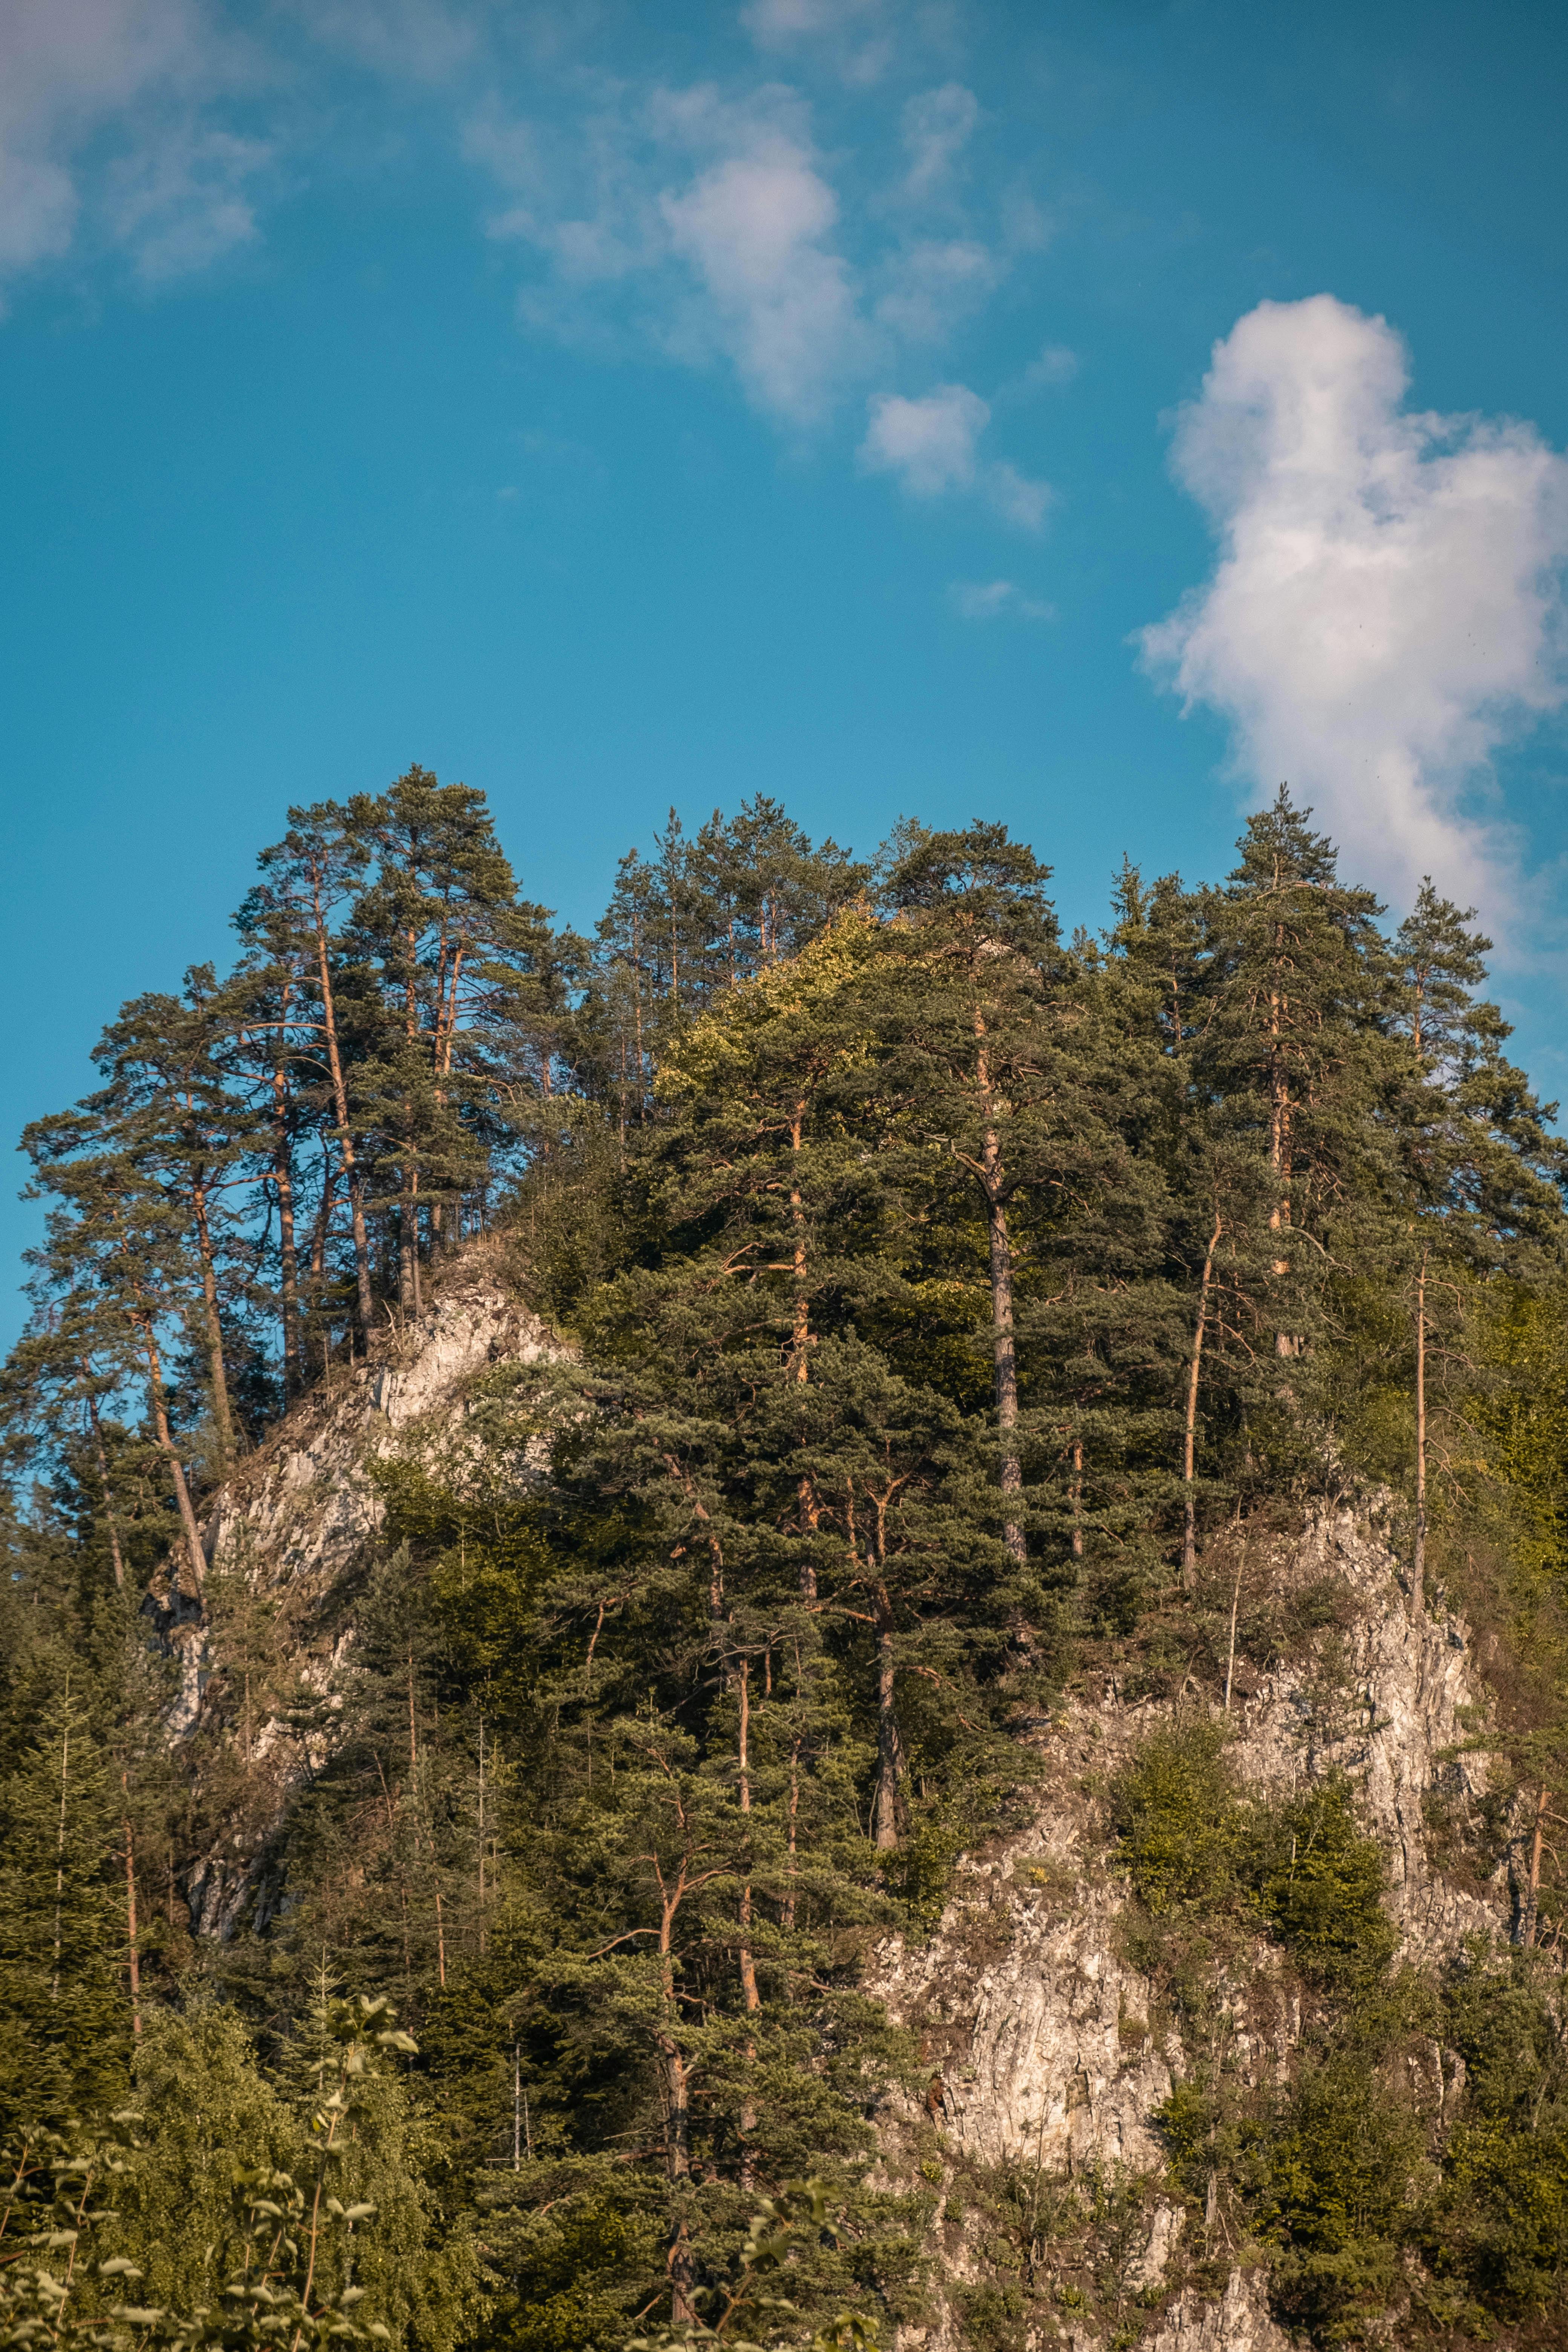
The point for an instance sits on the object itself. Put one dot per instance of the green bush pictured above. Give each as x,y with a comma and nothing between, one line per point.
1181,1829
1320,1888
1337,2202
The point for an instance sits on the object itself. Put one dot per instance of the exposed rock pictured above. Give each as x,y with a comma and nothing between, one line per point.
1238,2322
299,1513
300,1508
1037,2024
1041,2034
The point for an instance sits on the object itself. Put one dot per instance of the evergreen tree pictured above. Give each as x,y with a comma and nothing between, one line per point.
64,2016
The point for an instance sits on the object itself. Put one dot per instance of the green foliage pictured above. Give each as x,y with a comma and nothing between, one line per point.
64,2031
244,2212
938,1291
1320,1889
1339,2172
1498,2222
1180,1829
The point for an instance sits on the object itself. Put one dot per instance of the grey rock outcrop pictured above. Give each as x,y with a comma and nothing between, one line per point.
298,1514
302,1507
1036,2025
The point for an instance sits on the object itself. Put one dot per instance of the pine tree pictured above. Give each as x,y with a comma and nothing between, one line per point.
1481,1178
63,1940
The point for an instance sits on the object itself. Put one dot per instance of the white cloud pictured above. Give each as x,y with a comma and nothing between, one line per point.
1015,497
846,27
988,600
936,285
427,40
930,444
754,228
701,226
1387,610
181,201
101,113
1056,364
938,125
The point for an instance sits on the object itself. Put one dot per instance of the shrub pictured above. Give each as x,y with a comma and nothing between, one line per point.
1180,1828
1320,1889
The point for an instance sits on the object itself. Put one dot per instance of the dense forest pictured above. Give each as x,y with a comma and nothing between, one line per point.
940,1301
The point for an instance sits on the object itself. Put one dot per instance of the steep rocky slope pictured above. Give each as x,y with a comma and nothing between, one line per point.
299,1513
1047,2054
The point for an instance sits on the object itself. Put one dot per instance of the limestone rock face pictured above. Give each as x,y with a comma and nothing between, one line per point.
1238,2322
300,1512
1035,2024
302,1505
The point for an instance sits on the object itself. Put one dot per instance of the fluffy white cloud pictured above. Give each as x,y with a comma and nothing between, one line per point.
133,80
988,599
1387,606
754,228
928,442
932,445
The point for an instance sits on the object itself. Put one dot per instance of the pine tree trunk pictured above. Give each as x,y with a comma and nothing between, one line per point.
676,2103
1004,1349
885,1832
800,1361
216,1373
345,1140
1189,1440
1418,1564
289,1263
171,1455
1006,1364
102,1457
406,1240
1286,1343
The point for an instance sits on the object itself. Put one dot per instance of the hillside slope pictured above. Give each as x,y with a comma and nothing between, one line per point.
1048,2046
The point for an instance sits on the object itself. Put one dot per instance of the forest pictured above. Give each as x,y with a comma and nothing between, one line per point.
934,1299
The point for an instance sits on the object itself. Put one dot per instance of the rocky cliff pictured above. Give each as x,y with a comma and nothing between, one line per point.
1048,2052
298,1514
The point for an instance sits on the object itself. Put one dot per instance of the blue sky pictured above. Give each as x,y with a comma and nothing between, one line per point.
614,407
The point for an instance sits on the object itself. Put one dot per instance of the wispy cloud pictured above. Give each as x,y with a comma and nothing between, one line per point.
180,202
989,600
936,284
857,35
427,40
106,108
932,445
703,223
1054,365
1387,608
938,125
